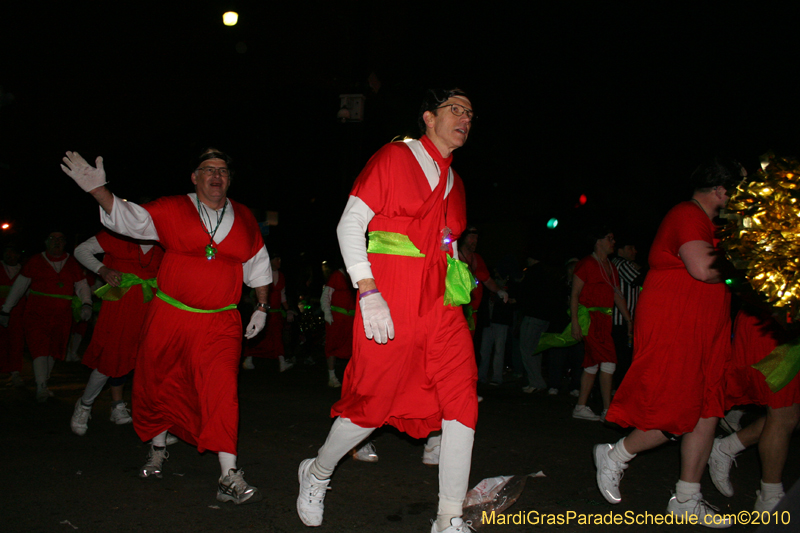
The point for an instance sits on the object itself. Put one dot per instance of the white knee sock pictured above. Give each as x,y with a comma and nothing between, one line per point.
731,445
619,453
94,386
455,459
685,490
771,490
226,462
343,437
41,371
160,440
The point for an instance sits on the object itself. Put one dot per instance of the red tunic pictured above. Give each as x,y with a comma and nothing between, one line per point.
188,363
754,337
118,330
12,340
47,320
269,342
681,336
478,268
339,335
598,291
428,372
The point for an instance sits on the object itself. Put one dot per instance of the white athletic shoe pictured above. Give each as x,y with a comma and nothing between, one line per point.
457,525
719,467
171,439
120,414
334,383
155,459
366,453
284,366
575,393
248,363
310,501
430,455
584,412
609,473
233,488
766,505
553,391
707,515
80,418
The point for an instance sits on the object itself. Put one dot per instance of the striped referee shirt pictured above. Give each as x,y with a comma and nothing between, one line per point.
628,272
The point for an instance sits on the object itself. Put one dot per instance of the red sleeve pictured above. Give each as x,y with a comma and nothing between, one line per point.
583,269
481,273
689,223
373,185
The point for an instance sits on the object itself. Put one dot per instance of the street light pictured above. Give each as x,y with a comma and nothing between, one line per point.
230,18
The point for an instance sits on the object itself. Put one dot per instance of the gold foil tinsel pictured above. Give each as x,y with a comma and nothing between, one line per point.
762,236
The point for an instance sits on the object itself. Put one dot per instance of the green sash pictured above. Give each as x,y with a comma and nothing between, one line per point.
175,303
470,314
565,338
343,311
781,365
75,303
281,311
112,294
458,282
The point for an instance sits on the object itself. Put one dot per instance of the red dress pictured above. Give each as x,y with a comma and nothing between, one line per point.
598,291
269,342
681,336
754,337
188,363
428,372
339,335
118,331
47,320
12,340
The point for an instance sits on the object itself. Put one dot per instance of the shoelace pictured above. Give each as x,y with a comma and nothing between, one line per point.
615,473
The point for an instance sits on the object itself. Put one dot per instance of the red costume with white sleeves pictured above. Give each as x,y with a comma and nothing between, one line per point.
269,343
598,291
428,372
118,331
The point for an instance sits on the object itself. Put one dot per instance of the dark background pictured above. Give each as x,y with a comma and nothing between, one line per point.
617,101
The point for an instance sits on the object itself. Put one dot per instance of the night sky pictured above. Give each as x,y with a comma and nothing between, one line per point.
617,101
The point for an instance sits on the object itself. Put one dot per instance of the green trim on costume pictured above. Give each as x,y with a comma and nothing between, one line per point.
342,310
390,243
781,365
565,338
175,303
281,311
458,282
75,302
112,294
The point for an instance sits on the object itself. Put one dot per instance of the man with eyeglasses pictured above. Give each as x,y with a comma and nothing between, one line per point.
414,365
188,361
58,293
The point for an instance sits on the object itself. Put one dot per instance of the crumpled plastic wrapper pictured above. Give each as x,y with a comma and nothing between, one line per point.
492,494
762,235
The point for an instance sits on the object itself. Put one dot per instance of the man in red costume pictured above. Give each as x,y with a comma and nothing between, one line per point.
187,364
58,293
423,378
129,268
675,385
269,343
12,340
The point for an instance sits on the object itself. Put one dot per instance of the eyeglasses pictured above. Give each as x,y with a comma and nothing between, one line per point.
57,239
210,171
458,110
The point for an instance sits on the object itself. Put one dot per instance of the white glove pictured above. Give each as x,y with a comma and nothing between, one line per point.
377,318
4,321
328,316
503,294
256,324
84,174
86,313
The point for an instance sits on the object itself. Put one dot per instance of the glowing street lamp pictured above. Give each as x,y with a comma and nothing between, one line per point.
230,18
5,225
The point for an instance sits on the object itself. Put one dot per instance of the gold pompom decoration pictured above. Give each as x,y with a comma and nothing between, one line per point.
762,235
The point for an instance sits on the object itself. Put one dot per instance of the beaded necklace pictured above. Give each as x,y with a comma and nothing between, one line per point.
210,250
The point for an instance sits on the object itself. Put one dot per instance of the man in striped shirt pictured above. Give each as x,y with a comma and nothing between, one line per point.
630,282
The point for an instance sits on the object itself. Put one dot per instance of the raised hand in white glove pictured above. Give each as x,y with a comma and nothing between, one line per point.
503,294
377,318
86,313
328,317
256,324
4,321
84,174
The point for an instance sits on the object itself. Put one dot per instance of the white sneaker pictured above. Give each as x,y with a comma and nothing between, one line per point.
480,398
707,515
430,455
120,414
233,488
310,502
334,382
457,525
80,418
285,366
584,412
155,459
553,391
171,439
609,473
766,505
719,467
43,393
366,453
248,363
575,393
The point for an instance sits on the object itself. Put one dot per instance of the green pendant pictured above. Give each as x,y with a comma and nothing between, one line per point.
210,252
